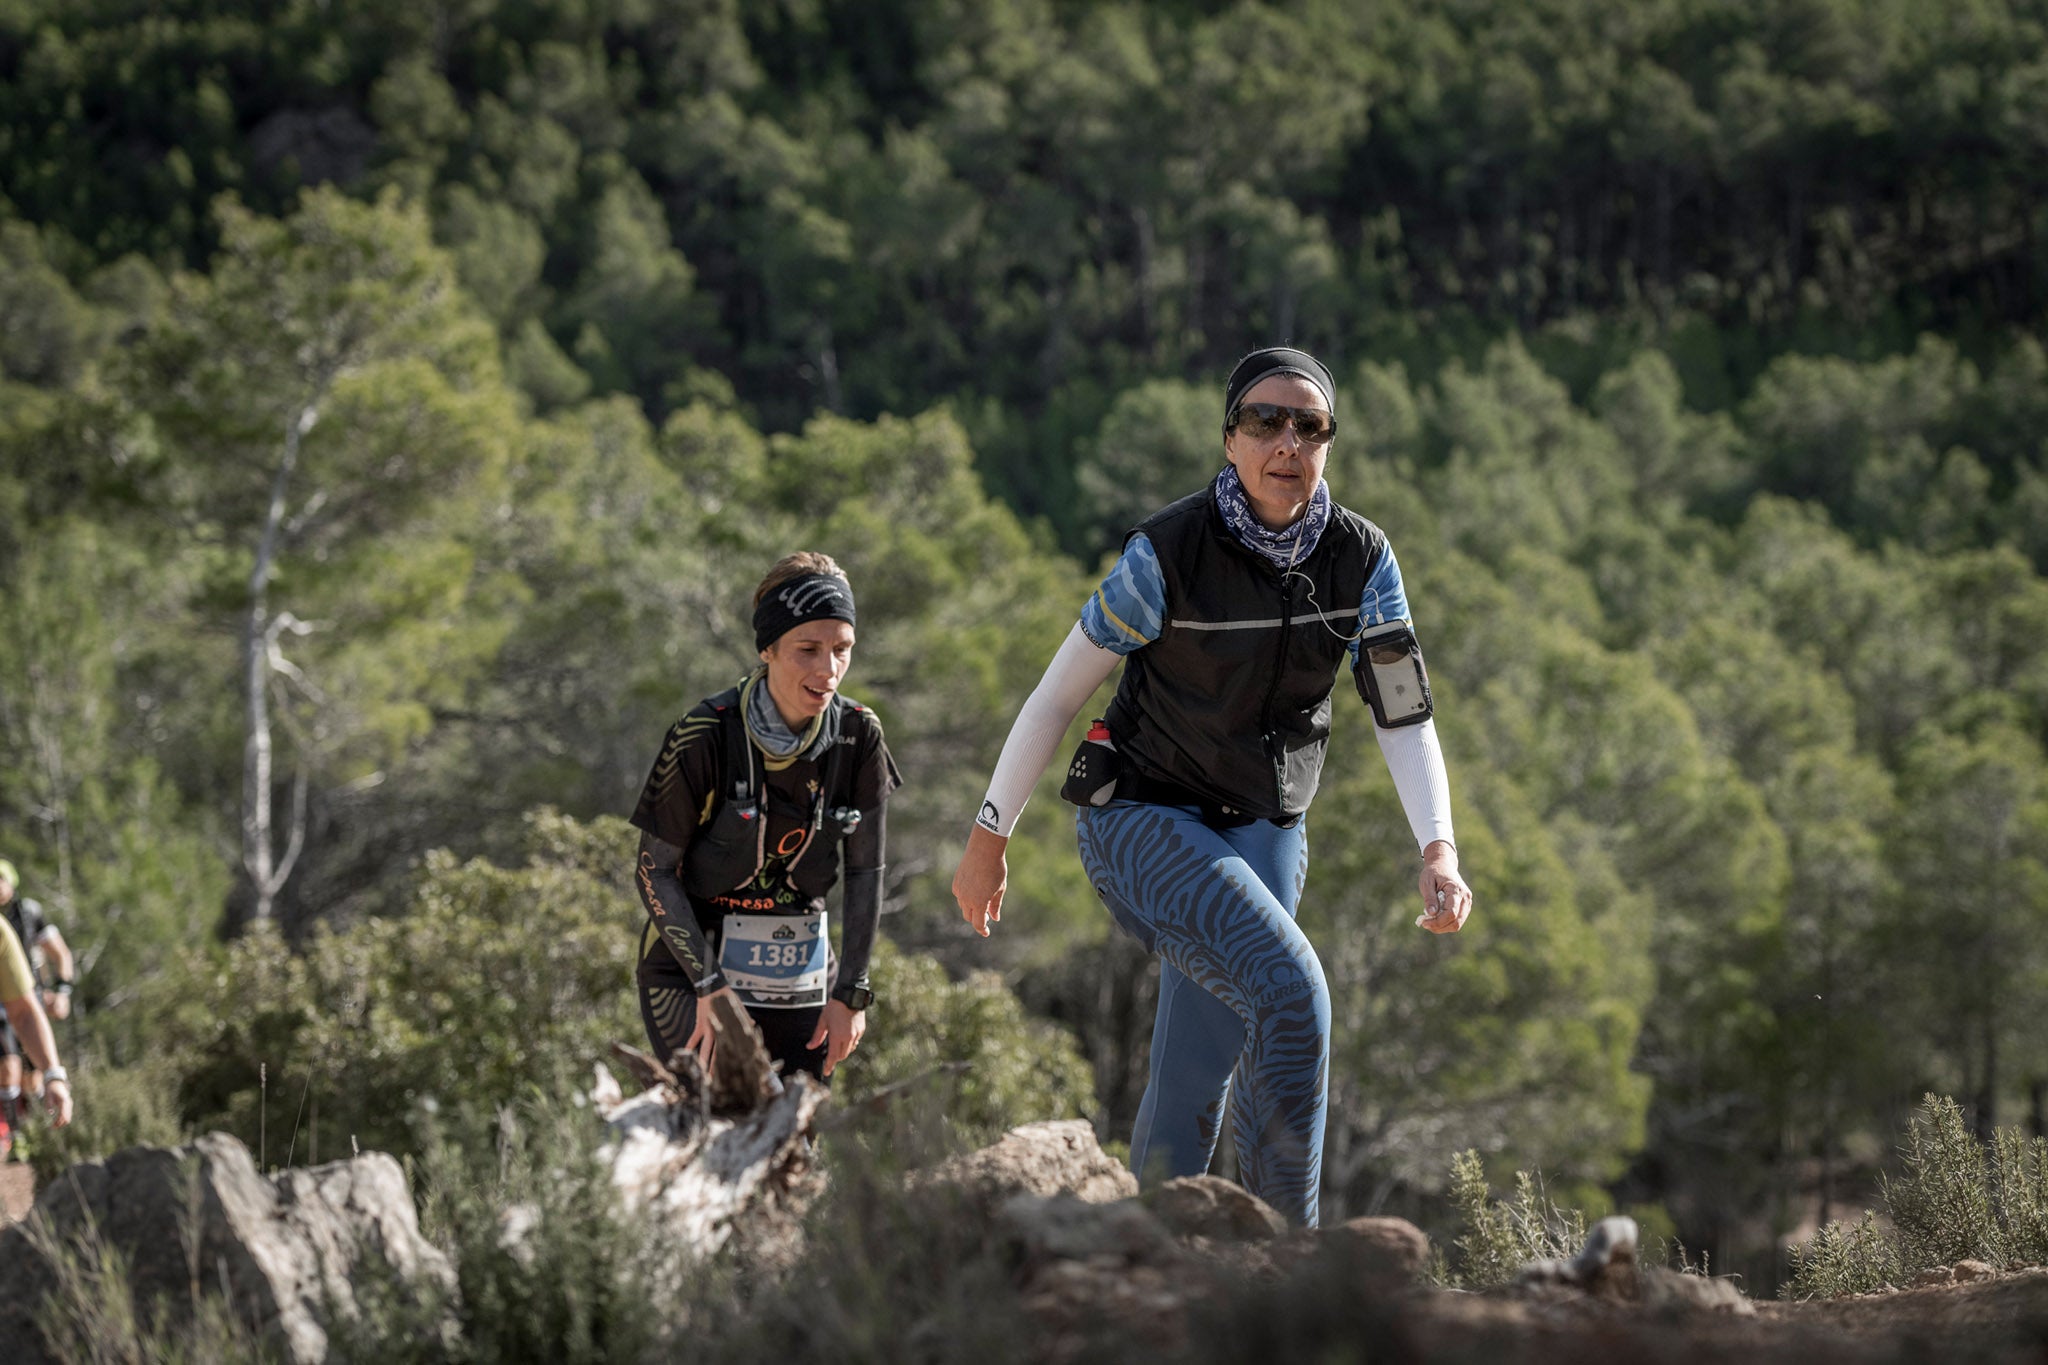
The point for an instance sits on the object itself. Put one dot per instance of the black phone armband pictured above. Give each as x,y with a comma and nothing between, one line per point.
1391,676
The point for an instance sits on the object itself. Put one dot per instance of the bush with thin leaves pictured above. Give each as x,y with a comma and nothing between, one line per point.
2019,1195
1844,1260
1503,1235
550,1263
1941,1204
1954,1201
91,1317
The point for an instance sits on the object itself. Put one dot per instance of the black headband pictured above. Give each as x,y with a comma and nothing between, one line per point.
1264,364
812,597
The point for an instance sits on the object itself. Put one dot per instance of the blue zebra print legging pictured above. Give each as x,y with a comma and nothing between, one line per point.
1240,991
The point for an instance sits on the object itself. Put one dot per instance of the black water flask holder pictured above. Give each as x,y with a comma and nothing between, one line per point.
1093,771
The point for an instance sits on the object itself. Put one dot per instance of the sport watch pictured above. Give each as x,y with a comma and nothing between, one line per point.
855,998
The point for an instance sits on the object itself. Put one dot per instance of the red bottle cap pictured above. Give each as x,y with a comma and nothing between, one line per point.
1098,732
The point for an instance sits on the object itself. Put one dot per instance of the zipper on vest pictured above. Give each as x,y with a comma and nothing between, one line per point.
1273,689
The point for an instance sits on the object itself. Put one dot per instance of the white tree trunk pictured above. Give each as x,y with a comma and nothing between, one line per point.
268,871
711,1152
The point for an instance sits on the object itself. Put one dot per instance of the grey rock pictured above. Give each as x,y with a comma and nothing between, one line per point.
1380,1248
284,1249
1605,1269
1672,1294
1606,1265
1059,1227
1083,1270
1078,1305
1059,1157
1209,1206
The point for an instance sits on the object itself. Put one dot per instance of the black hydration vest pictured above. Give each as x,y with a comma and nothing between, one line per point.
725,858
28,921
1232,701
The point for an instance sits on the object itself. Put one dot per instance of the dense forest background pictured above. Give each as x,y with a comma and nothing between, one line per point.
398,402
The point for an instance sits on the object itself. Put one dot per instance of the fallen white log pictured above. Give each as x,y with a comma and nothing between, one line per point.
709,1151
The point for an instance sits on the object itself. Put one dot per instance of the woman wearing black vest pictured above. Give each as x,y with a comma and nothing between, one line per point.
1231,610
753,798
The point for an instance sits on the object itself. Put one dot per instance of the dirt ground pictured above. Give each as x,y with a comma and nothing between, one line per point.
17,1191
2014,1305
2001,1321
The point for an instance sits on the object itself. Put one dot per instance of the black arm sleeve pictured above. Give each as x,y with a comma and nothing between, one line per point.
863,899
661,894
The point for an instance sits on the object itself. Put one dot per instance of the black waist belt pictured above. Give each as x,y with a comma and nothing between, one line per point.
1157,791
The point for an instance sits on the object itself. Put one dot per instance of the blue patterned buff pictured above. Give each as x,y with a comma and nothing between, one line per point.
1285,548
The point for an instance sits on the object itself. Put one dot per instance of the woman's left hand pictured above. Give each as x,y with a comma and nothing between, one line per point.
1446,900
839,1032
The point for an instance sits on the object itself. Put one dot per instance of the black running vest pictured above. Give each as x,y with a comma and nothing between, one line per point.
726,854
1232,701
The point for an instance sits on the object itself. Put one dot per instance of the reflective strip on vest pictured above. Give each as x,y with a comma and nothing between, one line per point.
1268,623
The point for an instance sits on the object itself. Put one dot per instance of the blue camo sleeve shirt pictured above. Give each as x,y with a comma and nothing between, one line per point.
1129,610
1383,600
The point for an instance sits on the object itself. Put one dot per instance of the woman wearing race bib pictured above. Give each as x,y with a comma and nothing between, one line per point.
756,796
1232,610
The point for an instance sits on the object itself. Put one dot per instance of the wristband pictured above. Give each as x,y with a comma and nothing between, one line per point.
710,983
53,1074
63,986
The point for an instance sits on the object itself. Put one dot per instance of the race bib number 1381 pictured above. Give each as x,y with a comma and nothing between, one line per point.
776,961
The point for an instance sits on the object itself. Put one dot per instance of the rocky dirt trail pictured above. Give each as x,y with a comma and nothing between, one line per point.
1996,1322
1196,1271
17,1192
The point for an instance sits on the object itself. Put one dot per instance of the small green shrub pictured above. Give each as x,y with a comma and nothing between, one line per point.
1844,1260
2019,1195
1503,1235
492,980
1941,1203
114,1107
1019,1069
1953,1201
586,1281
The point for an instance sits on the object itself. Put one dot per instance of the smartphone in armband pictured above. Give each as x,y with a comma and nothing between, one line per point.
1391,676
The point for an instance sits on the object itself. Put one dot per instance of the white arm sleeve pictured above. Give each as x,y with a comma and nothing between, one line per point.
1416,761
1070,679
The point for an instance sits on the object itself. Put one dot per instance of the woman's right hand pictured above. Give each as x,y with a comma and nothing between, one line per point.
702,1040
57,1101
983,876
